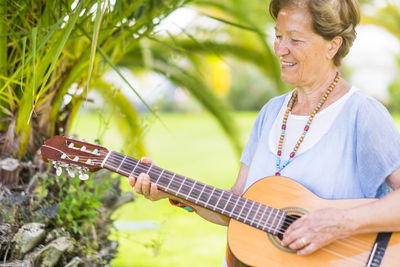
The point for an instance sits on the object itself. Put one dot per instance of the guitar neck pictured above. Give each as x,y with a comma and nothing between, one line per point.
218,200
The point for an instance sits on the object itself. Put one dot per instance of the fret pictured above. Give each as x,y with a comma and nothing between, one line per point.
267,221
170,181
173,187
234,207
216,204
112,161
262,216
122,161
179,189
126,167
201,192
255,214
193,186
273,221
244,204
279,222
248,213
209,198
227,202
106,158
159,176
134,168
149,169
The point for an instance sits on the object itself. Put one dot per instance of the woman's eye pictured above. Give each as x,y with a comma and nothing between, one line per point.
295,40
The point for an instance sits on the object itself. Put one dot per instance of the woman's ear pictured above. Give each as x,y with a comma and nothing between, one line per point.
334,46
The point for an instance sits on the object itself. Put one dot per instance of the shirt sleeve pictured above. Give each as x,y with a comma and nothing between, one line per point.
378,147
251,146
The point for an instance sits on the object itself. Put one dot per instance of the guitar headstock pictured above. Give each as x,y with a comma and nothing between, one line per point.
73,155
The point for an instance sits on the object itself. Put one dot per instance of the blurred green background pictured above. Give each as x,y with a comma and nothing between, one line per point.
179,81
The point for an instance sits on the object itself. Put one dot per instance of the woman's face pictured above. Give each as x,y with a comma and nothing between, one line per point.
303,54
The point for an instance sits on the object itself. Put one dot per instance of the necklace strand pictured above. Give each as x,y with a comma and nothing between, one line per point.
306,127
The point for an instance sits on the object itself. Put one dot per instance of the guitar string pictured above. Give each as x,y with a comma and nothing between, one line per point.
154,168
205,191
204,187
345,243
156,171
223,194
347,260
119,164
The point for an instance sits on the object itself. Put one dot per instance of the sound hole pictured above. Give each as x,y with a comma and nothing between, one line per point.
293,213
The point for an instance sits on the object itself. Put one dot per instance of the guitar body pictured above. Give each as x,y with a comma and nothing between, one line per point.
248,246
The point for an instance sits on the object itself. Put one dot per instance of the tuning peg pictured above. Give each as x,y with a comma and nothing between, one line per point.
71,145
82,174
71,172
76,159
83,148
95,151
64,156
58,171
58,168
88,162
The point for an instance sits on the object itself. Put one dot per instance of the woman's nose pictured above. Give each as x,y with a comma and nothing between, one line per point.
280,48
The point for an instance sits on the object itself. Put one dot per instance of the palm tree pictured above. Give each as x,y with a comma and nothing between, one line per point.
44,52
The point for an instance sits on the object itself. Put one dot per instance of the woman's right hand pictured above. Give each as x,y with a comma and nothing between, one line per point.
143,186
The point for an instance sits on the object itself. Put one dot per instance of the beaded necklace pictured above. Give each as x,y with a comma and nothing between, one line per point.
306,127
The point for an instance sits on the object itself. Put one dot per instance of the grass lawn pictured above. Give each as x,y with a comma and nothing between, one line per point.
193,145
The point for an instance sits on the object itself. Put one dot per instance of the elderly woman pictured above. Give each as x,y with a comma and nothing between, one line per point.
325,134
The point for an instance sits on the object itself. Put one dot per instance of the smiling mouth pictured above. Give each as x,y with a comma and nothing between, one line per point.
287,64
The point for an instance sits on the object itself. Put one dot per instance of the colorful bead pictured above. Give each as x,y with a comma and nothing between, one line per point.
306,128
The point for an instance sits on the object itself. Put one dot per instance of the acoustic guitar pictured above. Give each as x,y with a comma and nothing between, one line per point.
257,219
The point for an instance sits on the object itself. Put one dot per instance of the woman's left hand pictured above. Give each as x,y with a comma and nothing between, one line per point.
317,229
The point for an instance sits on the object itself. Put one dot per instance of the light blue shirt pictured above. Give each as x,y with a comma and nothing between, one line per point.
351,160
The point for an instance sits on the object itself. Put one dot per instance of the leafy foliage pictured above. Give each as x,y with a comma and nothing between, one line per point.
73,205
43,53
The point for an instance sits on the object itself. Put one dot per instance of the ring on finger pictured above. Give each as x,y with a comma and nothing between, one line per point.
304,242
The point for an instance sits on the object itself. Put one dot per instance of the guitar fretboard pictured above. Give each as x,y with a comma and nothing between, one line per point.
241,209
